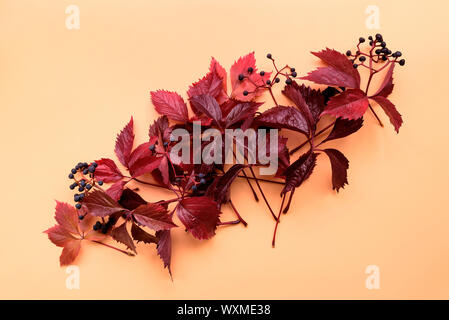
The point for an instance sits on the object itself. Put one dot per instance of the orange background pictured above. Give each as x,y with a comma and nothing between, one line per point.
64,95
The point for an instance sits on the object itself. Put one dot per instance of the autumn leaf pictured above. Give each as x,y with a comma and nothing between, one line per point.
339,72
120,234
115,191
299,171
220,189
200,216
340,166
124,143
241,66
207,105
351,104
343,128
390,110
242,111
131,200
153,216
139,234
386,87
170,104
283,118
100,204
164,248
107,171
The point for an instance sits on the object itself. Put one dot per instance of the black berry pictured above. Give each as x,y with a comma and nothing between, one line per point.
73,170
152,147
277,80
250,70
294,74
245,93
81,189
355,66
78,206
268,82
288,81
165,144
73,186
361,40
100,183
203,181
241,77
348,53
362,58
71,176
269,55
402,62
292,69
88,186
262,73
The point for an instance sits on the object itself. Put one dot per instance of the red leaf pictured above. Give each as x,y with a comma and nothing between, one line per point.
340,166
59,236
139,234
216,67
312,98
390,110
241,67
164,169
107,171
386,88
284,117
207,105
293,93
120,234
200,215
144,165
339,72
242,111
164,248
100,204
170,104
142,151
299,171
67,217
124,143
219,190
153,216
211,84
351,104
343,128
115,191
131,200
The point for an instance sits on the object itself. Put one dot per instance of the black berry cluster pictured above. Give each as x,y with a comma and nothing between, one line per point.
83,181
379,52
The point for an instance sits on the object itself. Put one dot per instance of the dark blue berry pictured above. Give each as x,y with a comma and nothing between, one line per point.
277,80
268,82
361,40
362,58
201,175
83,183
348,53
194,188
73,186
288,81
95,164
203,181
78,206
88,186
81,189
100,183
355,66
85,171
292,69
91,169
398,53
73,170
294,74
245,93
269,55
71,176
250,70
76,197
402,62
262,73
152,147
165,144
241,77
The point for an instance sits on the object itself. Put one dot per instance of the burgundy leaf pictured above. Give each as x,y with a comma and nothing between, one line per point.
339,72
343,128
200,216
242,111
142,151
386,88
340,166
131,200
283,117
390,110
153,216
293,93
120,234
115,191
124,143
144,165
139,234
216,67
107,171
219,190
159,127
100,204
299,171
67,217
164,248
351,104
170,104
207,105
211,84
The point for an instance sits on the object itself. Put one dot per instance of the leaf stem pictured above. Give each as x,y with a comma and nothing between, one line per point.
308,140
237,213
115,248
273,243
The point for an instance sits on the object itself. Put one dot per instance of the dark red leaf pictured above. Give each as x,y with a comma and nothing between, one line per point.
100,204
142,151
144,165
386,88
170,104
390,110
211,84
115,191
305,96
164,248
351,104
124,143
120,234
219,190
283,117
242,111
207,105
200,216
343,128
339,72
107,171
159,128
131,200
153,216
139,234
67,217
216,67
340,166
299,171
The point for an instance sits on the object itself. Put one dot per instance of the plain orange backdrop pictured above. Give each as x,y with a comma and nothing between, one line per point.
64,94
